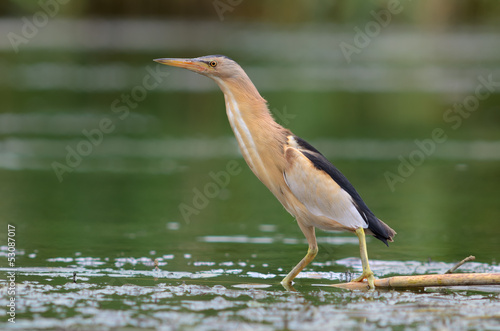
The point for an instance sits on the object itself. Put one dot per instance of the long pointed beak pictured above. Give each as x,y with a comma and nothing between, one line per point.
190,64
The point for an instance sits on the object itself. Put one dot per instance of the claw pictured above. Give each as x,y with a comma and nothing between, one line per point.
368,276
288,286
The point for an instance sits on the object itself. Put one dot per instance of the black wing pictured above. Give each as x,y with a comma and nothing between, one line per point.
377,227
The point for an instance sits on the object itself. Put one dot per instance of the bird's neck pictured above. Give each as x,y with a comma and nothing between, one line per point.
259,137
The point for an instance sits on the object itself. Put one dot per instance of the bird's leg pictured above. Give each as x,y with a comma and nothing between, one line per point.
367,273
311,254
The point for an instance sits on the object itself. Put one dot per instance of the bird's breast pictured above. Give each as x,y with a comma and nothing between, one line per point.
262,143
259,145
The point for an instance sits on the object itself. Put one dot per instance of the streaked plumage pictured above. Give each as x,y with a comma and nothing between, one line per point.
310,188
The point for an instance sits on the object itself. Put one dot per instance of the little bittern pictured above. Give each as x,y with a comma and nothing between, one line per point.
310,188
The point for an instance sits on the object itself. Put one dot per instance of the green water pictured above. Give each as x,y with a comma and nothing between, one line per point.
224,266
108,226
437,214
87,238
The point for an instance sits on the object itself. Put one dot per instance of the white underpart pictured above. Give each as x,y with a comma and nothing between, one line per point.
243,135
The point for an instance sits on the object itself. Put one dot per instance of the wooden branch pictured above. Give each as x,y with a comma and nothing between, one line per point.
400,282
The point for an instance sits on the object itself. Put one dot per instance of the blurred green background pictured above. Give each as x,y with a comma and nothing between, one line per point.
67,66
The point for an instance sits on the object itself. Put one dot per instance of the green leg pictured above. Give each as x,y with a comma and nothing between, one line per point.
367,273
311,254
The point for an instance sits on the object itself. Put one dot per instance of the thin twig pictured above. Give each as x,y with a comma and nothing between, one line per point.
459,264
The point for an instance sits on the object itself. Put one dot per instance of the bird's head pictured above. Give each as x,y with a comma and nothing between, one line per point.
213,66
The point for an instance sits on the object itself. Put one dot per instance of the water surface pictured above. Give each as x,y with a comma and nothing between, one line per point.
108,243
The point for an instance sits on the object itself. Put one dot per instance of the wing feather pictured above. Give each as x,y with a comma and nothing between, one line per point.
316,189
308,158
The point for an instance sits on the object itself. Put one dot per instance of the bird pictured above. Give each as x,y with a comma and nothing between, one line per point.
308,186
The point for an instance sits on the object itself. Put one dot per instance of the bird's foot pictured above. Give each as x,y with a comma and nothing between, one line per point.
368,275
288,286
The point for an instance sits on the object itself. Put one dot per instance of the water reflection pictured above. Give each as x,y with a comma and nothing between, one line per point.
249,295
123,154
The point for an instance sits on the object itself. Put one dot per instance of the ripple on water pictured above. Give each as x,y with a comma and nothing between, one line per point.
106,296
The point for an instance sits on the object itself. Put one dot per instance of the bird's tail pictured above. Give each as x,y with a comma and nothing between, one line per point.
380,230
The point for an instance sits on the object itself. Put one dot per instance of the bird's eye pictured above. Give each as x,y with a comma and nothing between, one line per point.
213,64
